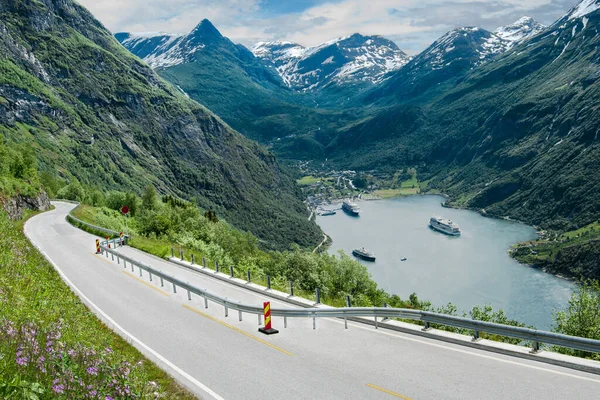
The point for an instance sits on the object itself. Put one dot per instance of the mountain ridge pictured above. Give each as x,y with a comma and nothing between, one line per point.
345,60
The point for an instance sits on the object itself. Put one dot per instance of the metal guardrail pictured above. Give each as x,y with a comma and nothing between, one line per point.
70,218
534,336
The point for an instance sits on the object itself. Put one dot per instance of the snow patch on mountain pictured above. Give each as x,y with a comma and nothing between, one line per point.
522,29
346,60
584,8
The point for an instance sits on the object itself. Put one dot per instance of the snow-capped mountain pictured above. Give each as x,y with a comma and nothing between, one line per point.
163,50
349,60
452,55
521,30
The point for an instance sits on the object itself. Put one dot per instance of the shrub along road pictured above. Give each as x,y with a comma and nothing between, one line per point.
221,357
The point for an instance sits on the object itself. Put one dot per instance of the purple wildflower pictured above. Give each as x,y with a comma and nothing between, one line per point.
22,361
58,388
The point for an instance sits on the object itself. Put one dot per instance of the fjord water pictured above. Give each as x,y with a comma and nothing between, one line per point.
473,269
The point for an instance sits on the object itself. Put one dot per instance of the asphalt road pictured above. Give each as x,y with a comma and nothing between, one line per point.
219,357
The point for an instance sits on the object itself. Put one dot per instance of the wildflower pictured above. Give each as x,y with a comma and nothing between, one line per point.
22,361
58,388
92,371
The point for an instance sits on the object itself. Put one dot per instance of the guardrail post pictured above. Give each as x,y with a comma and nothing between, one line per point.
248,276
385,305
348,302
192,259
426,327
226,310
314,322
132,266
318,295
346,323
203,263
181,254
291,288
124,263
259,320
216,267
284,321
162,282
268,283
118,260
172,253
140,271
206,302
240,312
231,271
476,337
376,323
174,288
150,273
536,347
189,295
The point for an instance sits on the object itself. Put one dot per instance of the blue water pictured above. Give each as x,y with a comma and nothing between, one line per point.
473,269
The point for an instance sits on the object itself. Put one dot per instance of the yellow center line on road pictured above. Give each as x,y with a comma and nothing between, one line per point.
101,258
238,330
147,284
388,392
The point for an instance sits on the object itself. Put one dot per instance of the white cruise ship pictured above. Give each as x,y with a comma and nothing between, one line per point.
351,208
445,226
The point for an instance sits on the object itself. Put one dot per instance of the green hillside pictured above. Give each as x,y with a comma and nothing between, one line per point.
93,112
518,136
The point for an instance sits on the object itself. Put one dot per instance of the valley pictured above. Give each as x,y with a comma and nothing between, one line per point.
530,128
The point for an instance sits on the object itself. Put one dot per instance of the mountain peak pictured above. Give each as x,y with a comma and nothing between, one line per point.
520,30
350,60
584,8
207,29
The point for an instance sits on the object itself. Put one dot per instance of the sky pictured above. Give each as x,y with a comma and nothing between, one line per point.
412,24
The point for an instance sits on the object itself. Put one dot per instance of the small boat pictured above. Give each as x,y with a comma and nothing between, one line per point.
363,254
403,259
326,213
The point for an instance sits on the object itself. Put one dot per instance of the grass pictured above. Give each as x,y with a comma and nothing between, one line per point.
32,293
308,180
591,229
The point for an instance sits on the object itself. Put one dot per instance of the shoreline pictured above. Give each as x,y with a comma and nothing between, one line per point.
481,212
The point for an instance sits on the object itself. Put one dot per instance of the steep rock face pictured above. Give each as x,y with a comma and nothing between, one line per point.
95,112
15,206
350,60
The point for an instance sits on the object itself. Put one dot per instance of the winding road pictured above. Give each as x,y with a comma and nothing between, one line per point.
222,358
